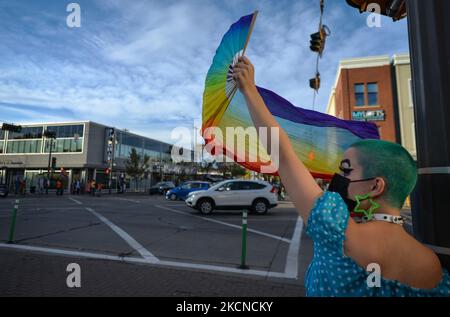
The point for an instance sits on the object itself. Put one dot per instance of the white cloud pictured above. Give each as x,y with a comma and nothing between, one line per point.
142,64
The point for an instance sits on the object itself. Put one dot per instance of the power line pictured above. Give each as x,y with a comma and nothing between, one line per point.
318,45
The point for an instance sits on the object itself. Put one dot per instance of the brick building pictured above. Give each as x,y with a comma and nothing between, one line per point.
364,91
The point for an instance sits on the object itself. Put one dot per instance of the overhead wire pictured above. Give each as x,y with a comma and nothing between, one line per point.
322,30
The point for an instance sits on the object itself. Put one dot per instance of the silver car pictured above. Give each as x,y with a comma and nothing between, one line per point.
256,196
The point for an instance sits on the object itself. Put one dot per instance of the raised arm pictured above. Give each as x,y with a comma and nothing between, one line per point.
303,189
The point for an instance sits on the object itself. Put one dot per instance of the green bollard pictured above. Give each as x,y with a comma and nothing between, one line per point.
243,266
13,222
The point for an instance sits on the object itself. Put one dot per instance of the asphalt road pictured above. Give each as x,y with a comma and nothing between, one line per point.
144,245
140,245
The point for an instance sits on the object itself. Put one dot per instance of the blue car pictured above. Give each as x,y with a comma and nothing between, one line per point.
181,192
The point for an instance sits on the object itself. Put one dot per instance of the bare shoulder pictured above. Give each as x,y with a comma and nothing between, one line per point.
400,256
422,266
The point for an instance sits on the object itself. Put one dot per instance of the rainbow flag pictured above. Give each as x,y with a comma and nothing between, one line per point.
318,139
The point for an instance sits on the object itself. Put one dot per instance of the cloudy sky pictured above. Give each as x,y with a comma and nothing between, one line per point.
141,64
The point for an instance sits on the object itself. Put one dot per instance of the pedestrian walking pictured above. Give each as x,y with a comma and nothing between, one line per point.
59,190
22,188
17,185
77,186
99,188
41,185
89,187
93,187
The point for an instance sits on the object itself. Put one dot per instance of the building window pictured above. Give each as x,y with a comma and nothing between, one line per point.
1,146
67,131
359,95
21,147
26,133
372,94
69,145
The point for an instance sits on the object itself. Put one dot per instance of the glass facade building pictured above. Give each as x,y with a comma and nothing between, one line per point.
156,150
31,140
80,150
2,142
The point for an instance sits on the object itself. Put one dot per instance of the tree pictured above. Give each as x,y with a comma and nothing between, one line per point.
206,166
224,168
183,170
136,165
231,169
237,170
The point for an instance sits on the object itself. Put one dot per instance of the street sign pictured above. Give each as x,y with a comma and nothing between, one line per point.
372,115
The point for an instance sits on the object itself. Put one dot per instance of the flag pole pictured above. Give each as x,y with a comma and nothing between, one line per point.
252,25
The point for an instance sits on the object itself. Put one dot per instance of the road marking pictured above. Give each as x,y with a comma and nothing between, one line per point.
226,224
60,209
223,269
125,236
147,255
291,268
61,251
76,201
202,267
126,199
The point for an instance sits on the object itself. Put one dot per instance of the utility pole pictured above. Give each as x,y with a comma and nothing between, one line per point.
49,135
111,151
429,31
194,145
160,163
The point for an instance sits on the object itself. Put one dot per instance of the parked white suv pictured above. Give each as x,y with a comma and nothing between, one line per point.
257,196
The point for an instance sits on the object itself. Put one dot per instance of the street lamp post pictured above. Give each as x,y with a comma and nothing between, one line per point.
49,135
111,151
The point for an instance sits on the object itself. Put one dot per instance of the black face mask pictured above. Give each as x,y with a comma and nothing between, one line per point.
339,184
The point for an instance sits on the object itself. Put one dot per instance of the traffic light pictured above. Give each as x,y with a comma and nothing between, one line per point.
110,144
396,9
111,134
318,40
314,83
11,128
107,171
316,43
53,162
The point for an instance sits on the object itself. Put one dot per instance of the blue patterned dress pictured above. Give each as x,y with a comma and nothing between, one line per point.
331,273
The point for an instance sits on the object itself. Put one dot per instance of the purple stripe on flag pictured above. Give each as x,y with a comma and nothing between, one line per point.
282,108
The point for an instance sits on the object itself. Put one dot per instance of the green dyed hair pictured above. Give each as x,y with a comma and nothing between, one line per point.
392,162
